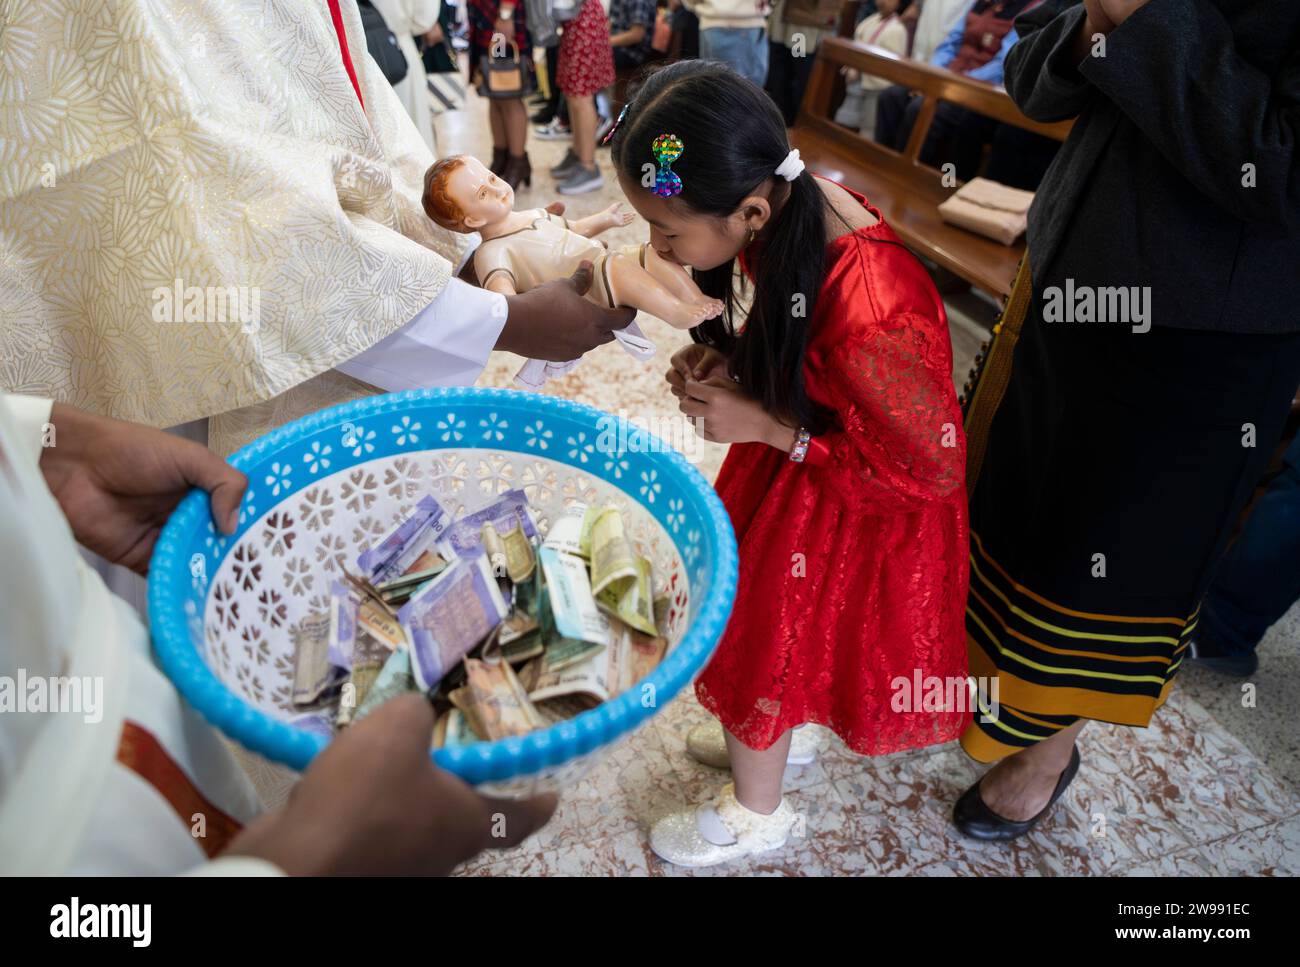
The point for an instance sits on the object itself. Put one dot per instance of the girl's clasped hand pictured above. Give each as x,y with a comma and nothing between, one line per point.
721,410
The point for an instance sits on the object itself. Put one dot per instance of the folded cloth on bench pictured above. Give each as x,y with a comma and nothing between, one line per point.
989,209
534,373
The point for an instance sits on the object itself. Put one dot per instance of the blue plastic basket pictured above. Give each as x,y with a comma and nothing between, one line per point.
369,435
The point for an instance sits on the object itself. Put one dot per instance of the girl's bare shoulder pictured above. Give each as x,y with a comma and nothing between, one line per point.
852,216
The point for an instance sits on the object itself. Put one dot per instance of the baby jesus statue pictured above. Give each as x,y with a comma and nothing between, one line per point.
524,249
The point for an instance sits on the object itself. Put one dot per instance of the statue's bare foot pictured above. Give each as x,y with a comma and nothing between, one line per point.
686,314
712,307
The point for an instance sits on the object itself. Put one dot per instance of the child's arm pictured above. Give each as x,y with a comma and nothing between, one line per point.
493,267
593,225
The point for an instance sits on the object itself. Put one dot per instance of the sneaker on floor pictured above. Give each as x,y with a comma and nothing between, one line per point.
707,743
581,180
603,129
562,170
720,831
544,115
555,131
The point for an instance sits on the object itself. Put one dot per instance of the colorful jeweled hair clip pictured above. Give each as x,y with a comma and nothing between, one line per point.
609,135
666,149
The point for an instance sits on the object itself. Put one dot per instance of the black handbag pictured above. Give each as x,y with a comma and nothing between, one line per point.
440,58
504,77
382,43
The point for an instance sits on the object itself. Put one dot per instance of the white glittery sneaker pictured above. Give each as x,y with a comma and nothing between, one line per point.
707,743
720,831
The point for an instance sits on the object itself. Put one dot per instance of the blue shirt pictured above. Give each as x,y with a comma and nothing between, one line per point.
990,73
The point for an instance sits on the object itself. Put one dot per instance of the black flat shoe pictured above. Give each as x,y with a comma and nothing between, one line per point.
974,819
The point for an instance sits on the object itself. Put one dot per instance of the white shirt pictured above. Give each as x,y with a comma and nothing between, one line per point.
446,344
934,23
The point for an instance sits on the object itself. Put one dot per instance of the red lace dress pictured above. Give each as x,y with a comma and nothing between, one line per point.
853,564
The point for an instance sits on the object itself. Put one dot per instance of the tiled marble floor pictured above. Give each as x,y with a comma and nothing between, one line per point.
1210,787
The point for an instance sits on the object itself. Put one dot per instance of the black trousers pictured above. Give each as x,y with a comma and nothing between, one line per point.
555,105
787,78
687,27
956,135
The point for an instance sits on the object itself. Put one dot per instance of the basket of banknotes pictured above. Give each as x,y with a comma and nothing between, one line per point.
548,575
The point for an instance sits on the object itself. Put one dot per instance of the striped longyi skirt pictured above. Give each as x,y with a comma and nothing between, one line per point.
1116,466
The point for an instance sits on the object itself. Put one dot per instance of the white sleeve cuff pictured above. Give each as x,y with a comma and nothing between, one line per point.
30,414
446,344
236,866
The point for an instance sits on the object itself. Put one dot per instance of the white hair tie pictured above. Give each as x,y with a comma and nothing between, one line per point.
791,168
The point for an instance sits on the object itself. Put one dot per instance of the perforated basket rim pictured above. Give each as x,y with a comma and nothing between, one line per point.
483,761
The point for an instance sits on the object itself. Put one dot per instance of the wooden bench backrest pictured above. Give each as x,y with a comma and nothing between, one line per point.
933,83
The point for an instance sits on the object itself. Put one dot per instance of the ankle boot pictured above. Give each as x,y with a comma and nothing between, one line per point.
519,171
498,165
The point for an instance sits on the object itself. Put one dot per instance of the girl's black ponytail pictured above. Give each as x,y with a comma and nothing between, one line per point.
739,139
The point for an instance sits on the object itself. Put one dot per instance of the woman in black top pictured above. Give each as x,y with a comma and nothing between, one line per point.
1151,381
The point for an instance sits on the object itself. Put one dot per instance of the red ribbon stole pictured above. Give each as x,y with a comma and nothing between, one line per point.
144,755
337,16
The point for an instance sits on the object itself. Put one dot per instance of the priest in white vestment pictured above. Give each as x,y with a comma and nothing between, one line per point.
210,220
249,156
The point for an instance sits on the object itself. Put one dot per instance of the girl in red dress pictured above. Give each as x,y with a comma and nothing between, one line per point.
845,479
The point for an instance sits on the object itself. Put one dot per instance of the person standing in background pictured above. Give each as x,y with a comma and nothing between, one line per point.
1257,581
735,33
797,27
549,111
442,64
507,116
631,34
586,68
406,18
686,31
631,30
